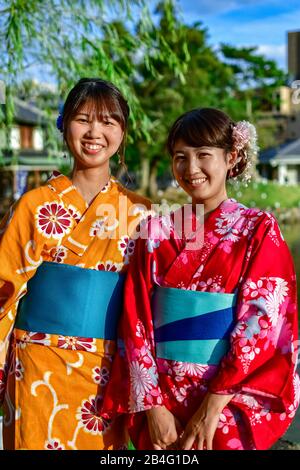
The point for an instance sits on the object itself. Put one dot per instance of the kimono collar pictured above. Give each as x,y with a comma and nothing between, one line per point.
229,205
80,238
60,183
68,192
188,260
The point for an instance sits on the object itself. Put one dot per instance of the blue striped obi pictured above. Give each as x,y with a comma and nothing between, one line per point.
192,326
67,300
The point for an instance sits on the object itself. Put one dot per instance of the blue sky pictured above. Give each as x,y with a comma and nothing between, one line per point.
247,23
262,23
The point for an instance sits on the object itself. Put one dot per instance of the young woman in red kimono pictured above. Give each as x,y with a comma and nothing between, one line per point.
64,249
209,330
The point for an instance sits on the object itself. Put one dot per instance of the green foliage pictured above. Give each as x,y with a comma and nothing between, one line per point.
266,195
72,39
252,68
65,169
267,131
163,66
256,77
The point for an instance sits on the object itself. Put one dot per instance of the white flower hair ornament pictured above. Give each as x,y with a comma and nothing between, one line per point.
244,138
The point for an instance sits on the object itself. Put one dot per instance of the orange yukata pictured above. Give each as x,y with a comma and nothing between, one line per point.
52,385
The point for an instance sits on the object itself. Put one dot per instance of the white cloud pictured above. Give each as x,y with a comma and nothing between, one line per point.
273,51
268,34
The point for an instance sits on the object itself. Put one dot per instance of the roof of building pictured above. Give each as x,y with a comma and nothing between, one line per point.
292,148
28,113
289,152
33,162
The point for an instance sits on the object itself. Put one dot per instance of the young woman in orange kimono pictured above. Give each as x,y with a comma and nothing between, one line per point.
64,249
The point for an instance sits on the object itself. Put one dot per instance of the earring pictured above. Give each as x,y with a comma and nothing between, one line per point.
119,158
231,172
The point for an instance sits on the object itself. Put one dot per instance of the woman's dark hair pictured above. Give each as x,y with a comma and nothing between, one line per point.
207,127
102,95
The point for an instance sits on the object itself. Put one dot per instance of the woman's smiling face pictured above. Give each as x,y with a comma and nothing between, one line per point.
201,171
93,139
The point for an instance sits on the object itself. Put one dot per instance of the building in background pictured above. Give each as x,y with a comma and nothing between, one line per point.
26,160
294,54
282,163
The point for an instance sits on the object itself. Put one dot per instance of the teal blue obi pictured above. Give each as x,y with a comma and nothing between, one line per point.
67,300
192,326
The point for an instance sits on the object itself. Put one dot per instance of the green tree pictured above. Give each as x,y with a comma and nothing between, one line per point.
69,39
159,95
256,77
257,80
208,82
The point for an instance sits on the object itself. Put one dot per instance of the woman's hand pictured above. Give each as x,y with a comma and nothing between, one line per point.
202,426
164,428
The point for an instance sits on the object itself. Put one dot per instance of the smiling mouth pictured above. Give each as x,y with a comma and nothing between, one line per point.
196,181
92,146
92,149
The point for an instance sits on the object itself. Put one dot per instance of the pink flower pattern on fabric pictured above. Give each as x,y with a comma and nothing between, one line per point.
243,254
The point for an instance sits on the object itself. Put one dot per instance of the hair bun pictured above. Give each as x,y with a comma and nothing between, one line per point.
244,139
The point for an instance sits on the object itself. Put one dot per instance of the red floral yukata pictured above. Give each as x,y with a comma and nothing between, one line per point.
243,253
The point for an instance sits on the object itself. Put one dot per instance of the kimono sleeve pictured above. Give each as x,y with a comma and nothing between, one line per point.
18,255
134,382
262,356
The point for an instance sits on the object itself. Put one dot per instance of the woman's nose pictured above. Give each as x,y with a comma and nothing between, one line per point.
95,128
192,166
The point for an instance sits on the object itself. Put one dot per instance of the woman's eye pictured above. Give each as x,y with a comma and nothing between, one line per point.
82,120
200,155
108,123
179,157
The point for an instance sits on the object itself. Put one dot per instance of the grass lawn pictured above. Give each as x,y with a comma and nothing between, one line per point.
266,195
263,194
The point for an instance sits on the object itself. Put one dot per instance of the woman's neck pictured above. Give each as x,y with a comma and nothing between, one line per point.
90,181
212,203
